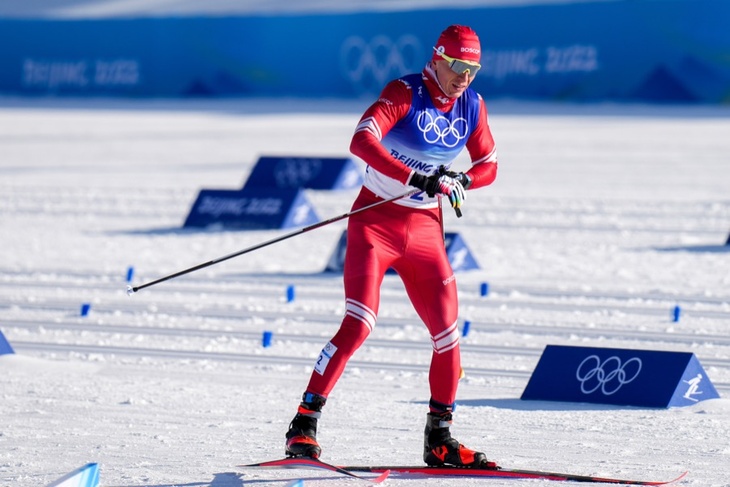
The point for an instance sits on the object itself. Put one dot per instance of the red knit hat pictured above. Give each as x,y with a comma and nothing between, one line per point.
460,42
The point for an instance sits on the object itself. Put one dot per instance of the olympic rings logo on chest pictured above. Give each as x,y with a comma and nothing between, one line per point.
442,130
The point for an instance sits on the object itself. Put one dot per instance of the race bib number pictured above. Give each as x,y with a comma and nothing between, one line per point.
324,358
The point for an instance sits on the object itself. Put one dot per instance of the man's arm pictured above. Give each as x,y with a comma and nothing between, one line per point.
376,122
483,152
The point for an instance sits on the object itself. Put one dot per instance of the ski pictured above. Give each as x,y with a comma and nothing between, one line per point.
451,471
306,462
448,471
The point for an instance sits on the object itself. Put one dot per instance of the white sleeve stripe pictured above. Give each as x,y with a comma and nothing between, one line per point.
371,126
491,157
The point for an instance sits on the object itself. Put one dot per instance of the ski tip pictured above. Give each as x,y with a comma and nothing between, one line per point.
667,482
683,475
380,478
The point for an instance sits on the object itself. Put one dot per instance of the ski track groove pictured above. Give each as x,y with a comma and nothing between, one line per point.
647,304
303,315
317,340
259,359
236,285
318,292
478,327
111,305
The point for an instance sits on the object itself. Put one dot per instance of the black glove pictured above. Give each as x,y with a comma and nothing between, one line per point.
429,184
464,179
442,183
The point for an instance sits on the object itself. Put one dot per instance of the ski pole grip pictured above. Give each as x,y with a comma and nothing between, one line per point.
458,212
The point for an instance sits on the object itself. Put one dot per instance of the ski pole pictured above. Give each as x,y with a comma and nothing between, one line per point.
131,290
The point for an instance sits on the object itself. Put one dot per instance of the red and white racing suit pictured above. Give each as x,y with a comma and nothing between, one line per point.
412,127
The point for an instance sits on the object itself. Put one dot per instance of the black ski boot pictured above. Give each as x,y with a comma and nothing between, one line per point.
439,448
301,439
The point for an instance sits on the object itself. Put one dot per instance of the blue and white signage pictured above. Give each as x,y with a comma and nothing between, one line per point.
623,377
251,209
86,476
5,347
561,51
305,172
460,256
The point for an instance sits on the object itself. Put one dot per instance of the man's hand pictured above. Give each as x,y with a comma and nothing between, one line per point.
429,184
453,189
459,176
441,183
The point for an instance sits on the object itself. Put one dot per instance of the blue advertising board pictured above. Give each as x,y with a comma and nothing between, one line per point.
646,378
5,347
86,476
457,250
659,50
251,209
322,173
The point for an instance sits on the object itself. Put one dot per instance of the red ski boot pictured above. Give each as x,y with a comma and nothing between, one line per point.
301,439
441,449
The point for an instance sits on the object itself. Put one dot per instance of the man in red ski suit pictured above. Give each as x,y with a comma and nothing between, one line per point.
409,138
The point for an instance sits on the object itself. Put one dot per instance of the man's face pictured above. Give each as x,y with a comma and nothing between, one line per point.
452,83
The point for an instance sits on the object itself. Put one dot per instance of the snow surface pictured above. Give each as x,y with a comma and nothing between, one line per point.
603,218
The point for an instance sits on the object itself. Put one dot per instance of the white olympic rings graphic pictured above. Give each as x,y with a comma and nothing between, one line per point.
608,375
379,59
439,129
